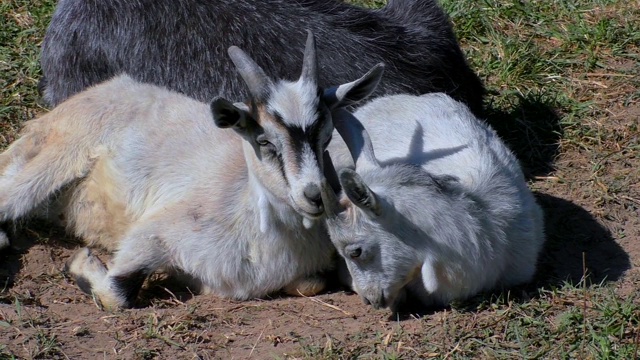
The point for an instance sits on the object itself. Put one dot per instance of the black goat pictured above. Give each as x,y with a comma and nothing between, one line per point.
182,44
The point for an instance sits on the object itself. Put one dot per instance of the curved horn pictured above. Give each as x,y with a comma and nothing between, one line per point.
257,81
357,139
330,201
310,60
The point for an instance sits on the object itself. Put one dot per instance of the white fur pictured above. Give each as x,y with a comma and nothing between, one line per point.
156,181
463,222
150,174
300,99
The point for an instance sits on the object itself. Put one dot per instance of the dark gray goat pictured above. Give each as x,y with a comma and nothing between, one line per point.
181,44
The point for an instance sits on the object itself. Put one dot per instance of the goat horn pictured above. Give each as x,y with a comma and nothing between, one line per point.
357,139
252,74
330,201
310,60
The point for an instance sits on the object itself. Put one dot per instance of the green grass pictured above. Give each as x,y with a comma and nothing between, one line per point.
541,62
39,341
22,24
569,322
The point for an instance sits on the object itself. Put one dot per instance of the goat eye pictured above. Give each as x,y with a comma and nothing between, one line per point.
262,141
355,253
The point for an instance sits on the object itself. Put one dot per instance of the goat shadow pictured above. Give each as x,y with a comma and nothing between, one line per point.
531,129
577,247
24,235
22,239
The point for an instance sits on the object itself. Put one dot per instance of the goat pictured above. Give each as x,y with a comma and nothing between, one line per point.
179,44
442,213
152,175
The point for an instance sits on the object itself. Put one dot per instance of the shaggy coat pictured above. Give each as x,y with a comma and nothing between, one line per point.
181,44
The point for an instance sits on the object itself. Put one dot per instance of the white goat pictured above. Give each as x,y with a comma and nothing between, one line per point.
443,211
149,174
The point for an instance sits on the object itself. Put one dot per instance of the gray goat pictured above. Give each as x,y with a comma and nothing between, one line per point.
181,44
152,175
443,211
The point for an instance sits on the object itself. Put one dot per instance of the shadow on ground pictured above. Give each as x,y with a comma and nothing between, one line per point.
577,246
22,239
531,128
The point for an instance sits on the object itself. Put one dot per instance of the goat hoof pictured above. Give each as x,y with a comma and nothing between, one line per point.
81,266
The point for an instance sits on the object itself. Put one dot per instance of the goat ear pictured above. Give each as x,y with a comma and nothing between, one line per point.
226,114
357,139
359,193
355,91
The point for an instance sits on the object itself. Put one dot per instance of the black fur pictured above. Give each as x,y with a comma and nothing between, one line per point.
129,285
83,284
182,44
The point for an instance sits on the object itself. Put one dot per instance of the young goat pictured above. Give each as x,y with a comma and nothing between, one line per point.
443,212
180,44
148,173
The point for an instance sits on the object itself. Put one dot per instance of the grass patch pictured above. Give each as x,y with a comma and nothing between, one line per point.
33,331
543,62
22,24
574,322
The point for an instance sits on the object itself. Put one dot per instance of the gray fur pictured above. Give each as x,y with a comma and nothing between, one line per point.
443,210
181,44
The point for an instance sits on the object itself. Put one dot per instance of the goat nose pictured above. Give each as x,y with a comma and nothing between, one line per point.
312,193
377,303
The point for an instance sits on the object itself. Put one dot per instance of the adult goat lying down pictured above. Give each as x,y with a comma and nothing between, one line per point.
163,181
443,211
180,44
